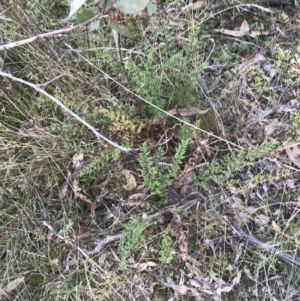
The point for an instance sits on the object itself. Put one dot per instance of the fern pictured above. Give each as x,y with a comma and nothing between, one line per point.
121,122
165,253
157,176
178,157
132,237
233,162
152,171
176,75
107,155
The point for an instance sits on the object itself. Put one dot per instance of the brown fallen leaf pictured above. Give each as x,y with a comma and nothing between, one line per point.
11,286
130,179
293,152
188,112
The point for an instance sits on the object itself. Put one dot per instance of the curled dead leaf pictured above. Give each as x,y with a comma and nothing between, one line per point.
188,111
276,227
137,196
87,201
76,161
291,106
293,152
178,288
195,283
242,31
229,288
259,59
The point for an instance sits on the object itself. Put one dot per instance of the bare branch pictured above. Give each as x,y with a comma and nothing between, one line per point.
58,102
56,32
57,234
292,260
101,243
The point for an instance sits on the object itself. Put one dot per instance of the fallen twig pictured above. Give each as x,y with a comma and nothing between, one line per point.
57,32
100,243
58,235
292,260
58,102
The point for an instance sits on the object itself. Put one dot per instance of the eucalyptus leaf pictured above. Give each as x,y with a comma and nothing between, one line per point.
121,29
151,8
84,15
131,6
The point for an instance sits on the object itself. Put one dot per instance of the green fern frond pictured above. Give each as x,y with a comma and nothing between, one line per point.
157,177
132,237
178,157
107,155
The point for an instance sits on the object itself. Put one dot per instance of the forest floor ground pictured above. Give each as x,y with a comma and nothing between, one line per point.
205,205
